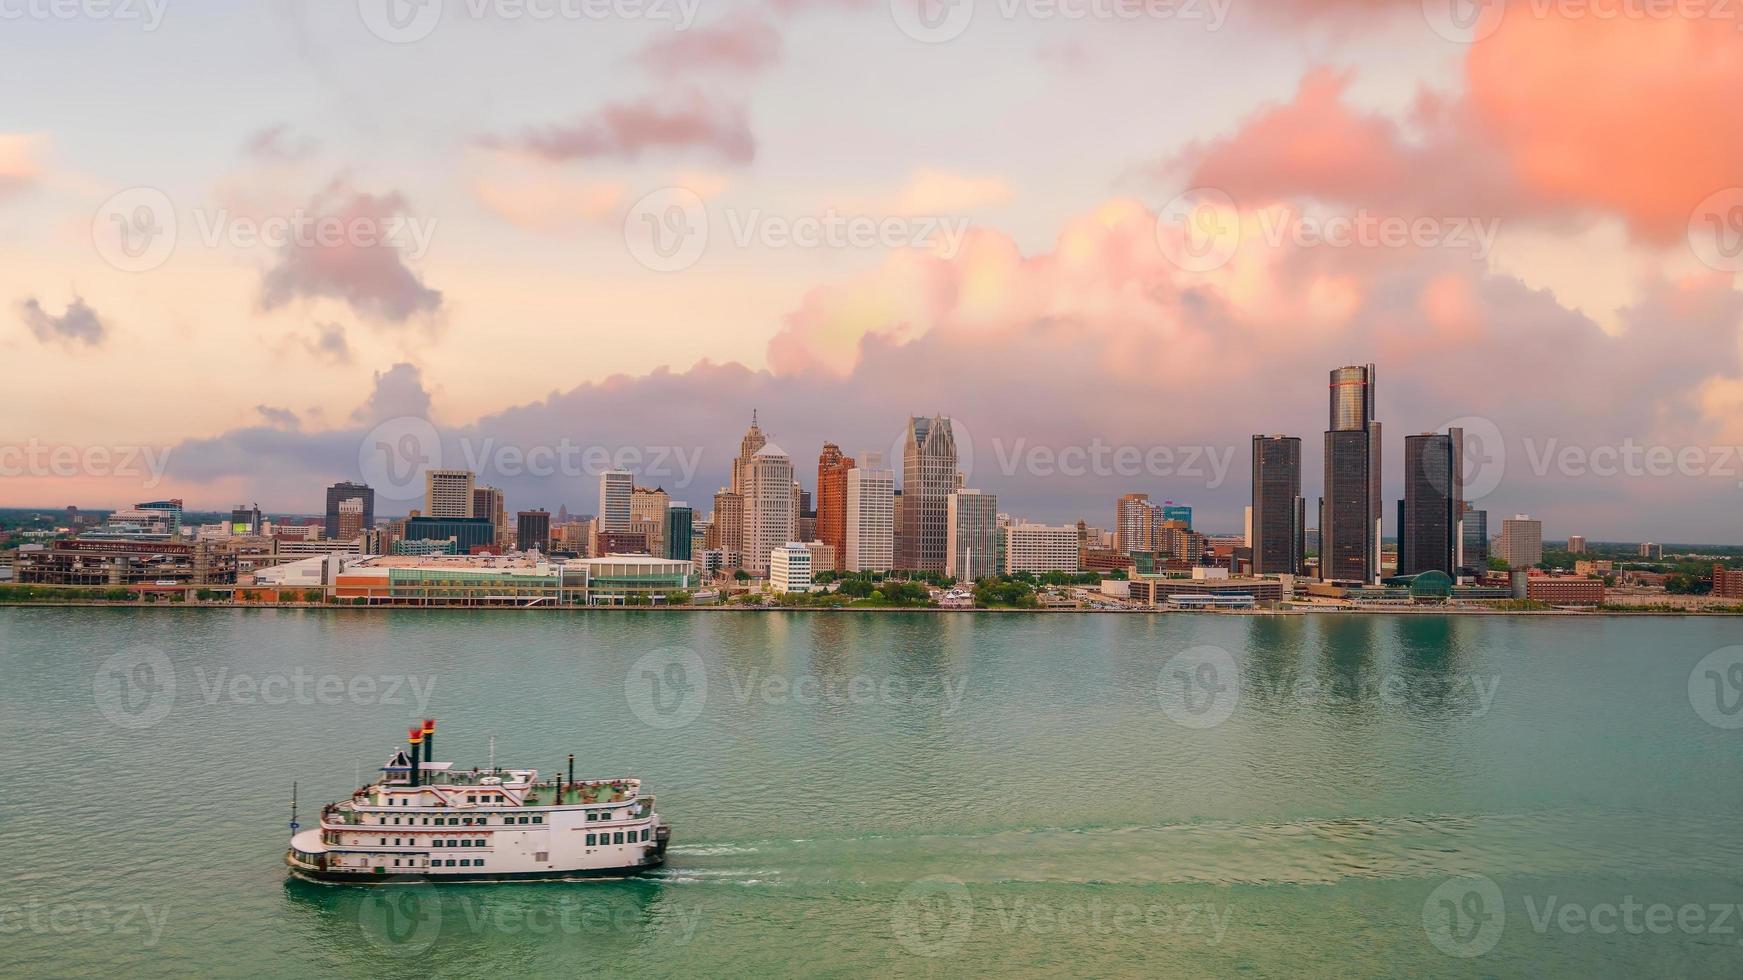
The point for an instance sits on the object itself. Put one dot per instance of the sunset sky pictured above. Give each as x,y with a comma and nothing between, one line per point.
1115,230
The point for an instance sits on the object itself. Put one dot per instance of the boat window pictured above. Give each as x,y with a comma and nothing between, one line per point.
538,820
617,838
592,839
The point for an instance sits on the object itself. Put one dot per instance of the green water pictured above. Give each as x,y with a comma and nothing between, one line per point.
896,794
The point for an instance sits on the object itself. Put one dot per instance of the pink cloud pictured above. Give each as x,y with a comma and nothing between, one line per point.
366,270
628,131
740,46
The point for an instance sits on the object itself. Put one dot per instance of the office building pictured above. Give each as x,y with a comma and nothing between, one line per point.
679,537
532,531
352,519
1429,538
972,527
448,493
1576,544
247,520
929,476
1727,582
647,515
822,557
753,441
616,492
1040,548
1476,534
832,470
338,493
770,520
726,527
870,516
1277,528
467,533
1521,542
789,567
1350,519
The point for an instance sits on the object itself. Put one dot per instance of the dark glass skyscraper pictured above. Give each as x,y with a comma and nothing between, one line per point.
1279,512
532,531
680,529
928,480
1350,511
339,493
1476,535
1428,522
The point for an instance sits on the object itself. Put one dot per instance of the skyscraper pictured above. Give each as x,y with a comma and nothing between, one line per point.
769,517
1350,518
341,492
448,493
747,449
726,527
351,522
680,530
929,475
647,515
871,516
533,531
1476,532
492,504
973,529
832,470
1279,512
1429,537
1521,542
1133,519
616,490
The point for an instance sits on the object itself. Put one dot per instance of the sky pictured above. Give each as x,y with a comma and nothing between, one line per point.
248,250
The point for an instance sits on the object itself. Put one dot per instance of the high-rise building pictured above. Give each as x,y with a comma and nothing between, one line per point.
1429,538
929,474
972,526
1521,542
680,527
351,519
726,527
1350,520
448,493
492,504
1576,544
616,490
871,516
532,531
246,519
1649,549
1171,511
769,518
1040,548
832,470
340,492
1132,522
647,514
1278,527
747,449
1476,534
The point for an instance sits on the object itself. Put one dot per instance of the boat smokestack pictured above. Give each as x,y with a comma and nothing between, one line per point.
416,738
571,771
429,740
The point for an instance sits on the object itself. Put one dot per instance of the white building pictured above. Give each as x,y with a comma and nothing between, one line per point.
448,493
790,568
871,516
770,519
616,491
1038,548
972,526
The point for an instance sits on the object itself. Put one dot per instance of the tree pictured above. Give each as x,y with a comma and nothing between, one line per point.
312,595
679,598
741,576
1497,564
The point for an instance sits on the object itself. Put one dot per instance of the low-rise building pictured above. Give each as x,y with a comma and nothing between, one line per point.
1565,590
1155,590
1727,582
1040,548
790,568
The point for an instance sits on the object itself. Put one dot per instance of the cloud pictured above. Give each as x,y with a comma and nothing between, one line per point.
399,392
627,131
279,418
330,344
78,325
19,164
275,145
366,272
540,196
738,47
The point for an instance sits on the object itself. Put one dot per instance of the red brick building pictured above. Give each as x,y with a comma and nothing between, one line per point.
1727,583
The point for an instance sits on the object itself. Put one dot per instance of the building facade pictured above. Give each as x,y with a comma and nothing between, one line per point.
1429,536
467,533
680,528
972,526
532,531
770,518
790,568
448,493
870,517
616,493
832,470
338,493
1040,548
1350,519
929,476
1278,530
1475,528
1521,542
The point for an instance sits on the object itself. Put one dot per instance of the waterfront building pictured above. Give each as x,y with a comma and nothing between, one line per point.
448,493
532,531
790,568
1350,519
117,562
616,493
1521,542
1040,548
471,580
870,516
832,470
467,533
1429,537
972,526
929,475
1277,519
769,518
679,537
1727,583
822,557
